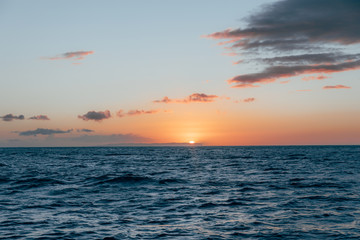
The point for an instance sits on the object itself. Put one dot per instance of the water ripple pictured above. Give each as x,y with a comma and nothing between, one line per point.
305,192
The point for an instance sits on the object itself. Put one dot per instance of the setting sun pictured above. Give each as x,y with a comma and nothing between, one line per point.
191,142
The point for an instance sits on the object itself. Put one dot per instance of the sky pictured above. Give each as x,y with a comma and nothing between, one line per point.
261,72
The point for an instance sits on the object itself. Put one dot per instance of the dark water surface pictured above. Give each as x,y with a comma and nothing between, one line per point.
310,192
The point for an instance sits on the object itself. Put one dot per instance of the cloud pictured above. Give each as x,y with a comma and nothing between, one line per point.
298,22
287,30
247,100
319,77
238,62
195,97
9,117
315,58
120,113
141,112
136,112
336,87
84,130
96,116
40,117
43,131
273,73
164,100
78,55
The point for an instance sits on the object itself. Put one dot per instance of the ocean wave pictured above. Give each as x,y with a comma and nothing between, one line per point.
180,193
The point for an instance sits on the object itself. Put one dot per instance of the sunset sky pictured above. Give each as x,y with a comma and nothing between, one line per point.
261,72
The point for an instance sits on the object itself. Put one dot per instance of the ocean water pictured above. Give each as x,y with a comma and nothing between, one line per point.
299,192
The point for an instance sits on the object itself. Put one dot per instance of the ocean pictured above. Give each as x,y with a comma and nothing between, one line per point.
194,192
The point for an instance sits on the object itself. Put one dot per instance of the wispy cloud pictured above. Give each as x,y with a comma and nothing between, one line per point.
40,117
43,131
195,97
247,100
84,130
336,87
287,30
313,58
141,112
136,112
120,113
9,117
78,55
95,116
319,77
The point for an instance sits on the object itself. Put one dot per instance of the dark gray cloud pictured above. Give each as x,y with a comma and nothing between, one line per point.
85,130
315,58
9,117
95,116
273,73
43,131
299,22
40,117
288,29
279,44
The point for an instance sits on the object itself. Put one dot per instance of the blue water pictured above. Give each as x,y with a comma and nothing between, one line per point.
310,192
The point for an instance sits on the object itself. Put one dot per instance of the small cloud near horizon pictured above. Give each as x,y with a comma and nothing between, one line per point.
9,117
136,112
40,117
247,100
84,130
195,97
336,87
141,112
43,131
95,116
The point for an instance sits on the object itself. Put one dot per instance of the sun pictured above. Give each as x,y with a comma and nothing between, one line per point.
191,142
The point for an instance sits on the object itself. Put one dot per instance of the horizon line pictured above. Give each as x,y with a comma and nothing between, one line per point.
183,145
